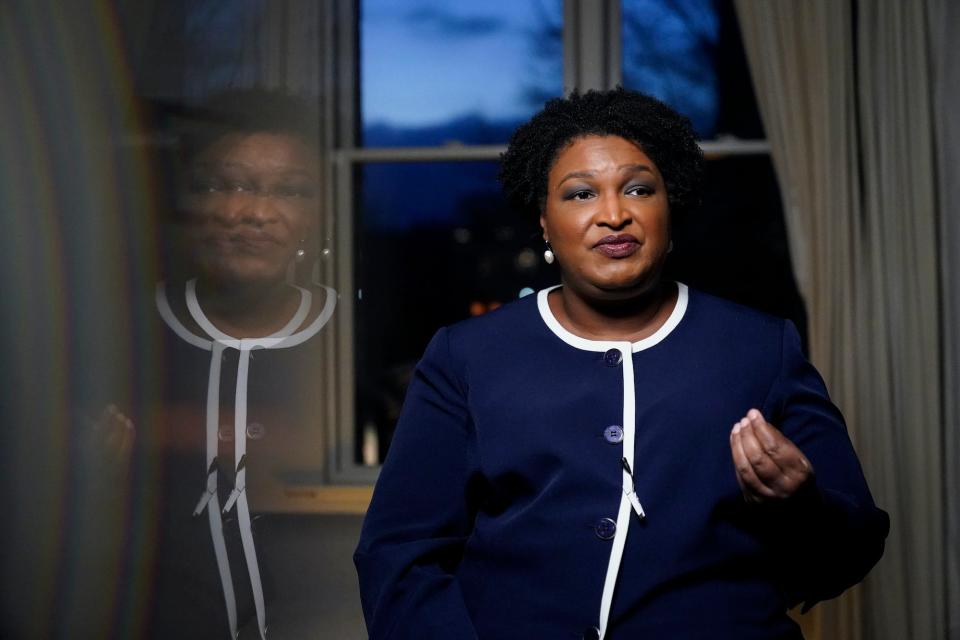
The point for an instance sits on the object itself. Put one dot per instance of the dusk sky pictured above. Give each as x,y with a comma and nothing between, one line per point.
430,61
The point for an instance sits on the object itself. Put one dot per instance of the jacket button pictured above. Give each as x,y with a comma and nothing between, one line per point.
613,434
256,431
612,358
591,633
606,529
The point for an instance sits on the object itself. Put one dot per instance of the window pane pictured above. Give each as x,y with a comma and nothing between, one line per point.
147,448
735,246
436,71
435,243
690,55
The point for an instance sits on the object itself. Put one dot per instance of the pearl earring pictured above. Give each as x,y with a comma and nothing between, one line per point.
548,255
301,252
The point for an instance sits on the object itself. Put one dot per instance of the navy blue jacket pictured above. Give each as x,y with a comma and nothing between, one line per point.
500,511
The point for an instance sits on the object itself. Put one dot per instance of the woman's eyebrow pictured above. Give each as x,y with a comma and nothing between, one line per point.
591,174
576,174
279,170
635,167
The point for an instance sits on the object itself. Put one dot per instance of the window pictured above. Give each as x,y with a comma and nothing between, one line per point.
441,87
690,55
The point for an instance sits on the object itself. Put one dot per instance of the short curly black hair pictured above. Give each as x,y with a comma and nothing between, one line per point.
663,134
247,111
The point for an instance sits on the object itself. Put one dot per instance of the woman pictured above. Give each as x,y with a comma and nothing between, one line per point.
619,456
241,406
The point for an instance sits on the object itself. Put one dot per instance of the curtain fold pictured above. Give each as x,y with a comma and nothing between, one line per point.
845,92
945,28
902,337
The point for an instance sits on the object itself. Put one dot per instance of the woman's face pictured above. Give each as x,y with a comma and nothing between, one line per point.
606,217
250,203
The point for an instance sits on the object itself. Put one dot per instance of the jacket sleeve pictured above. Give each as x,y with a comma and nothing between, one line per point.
422,511
830,534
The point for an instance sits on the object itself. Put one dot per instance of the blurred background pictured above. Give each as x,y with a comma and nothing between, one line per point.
831,198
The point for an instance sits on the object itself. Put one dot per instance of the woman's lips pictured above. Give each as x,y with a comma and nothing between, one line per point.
620,246
244,241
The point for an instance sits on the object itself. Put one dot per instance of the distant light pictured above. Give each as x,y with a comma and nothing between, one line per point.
525,292
370,450
462,235
526,259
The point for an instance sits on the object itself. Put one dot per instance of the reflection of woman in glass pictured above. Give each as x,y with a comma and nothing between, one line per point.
241,406
565,466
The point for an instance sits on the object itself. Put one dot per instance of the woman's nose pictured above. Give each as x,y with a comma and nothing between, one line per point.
250,207
612,211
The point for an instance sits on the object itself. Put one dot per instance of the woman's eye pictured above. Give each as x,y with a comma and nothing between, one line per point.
220,185
238,187
292,191
640,190
201,186
582,194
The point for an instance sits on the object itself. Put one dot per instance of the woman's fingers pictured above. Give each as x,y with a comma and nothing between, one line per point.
751,485
127,436
116,432
786,455
768,464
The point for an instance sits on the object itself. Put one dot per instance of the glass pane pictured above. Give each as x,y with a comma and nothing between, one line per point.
436,71
690,55
435,243
186,49
145,449
717,249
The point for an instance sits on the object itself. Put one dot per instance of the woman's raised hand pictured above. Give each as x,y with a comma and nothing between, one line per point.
768,465
111,439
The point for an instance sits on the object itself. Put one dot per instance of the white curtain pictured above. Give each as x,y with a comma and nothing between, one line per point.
289,46
845,91
902,394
